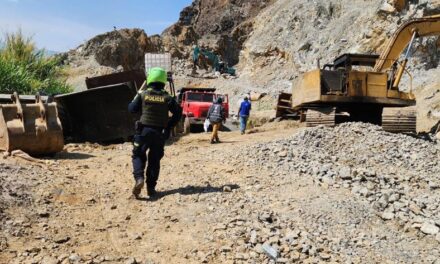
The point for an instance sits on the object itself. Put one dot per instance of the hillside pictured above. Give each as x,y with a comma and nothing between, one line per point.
280,193
271,43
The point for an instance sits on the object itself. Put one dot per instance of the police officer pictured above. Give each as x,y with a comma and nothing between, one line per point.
152,130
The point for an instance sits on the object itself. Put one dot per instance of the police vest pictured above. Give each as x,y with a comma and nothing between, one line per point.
155,108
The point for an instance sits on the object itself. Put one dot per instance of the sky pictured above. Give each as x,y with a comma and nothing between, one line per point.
60,25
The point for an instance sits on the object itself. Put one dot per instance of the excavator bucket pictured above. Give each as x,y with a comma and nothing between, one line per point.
33,128
98,114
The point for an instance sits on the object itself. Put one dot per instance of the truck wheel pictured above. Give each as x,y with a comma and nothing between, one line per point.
186,126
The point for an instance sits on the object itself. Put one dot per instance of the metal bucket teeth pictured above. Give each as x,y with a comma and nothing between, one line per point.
33,128
325,117
399,120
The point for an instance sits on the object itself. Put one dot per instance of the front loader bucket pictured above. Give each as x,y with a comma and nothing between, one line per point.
33,128
98,114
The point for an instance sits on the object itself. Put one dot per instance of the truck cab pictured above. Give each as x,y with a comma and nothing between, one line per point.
195,103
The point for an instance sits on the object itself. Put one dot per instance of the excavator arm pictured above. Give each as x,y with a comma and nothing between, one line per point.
421,27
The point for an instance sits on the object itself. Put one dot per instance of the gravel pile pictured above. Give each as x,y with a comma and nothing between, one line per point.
393,181
261,235
398,174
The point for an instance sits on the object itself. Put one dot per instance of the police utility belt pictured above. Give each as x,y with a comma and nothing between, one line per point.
139,127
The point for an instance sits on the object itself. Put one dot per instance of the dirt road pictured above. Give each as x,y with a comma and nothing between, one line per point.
213,208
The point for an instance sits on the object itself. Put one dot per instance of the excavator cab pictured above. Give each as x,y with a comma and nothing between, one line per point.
33,128
334,76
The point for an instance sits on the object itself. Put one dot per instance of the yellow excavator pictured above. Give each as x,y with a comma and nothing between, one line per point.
361,87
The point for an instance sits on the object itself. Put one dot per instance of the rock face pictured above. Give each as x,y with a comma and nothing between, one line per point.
221,25
271,42
178,40
115,51
265,36
220,17
293,42
124,48
289,38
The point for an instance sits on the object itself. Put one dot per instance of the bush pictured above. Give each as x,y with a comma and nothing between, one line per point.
26,70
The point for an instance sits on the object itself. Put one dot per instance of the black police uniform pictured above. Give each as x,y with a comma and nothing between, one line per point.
152,131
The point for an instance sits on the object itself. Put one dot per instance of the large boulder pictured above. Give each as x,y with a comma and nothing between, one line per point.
125,47
115,51
178,40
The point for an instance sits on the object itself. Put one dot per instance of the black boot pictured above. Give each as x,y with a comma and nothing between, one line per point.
151,192
138,187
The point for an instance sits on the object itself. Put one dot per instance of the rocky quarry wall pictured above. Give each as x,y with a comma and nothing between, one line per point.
114,51
272,42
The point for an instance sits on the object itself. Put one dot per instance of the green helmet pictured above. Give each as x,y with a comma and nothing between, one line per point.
157,75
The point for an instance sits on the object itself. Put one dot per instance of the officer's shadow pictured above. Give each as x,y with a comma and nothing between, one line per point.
191,190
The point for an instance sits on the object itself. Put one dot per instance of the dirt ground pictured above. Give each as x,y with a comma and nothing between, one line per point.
79,209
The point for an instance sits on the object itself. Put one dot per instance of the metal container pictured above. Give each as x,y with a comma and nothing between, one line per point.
99,114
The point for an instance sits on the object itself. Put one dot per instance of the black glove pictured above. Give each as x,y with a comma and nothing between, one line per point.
166,134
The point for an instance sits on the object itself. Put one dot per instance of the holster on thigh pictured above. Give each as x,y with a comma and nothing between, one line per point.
137,146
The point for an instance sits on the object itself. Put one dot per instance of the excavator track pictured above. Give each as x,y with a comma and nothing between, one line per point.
322,116
399,120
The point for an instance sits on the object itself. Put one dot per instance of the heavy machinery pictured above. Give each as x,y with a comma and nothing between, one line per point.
361,87
204,57
195,103
32,127
136,77
100,114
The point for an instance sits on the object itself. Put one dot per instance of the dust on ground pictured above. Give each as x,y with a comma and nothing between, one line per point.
215,206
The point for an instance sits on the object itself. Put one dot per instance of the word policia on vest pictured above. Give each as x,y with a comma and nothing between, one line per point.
154,99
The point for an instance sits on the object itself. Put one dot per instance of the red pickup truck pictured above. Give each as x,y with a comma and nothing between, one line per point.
195,103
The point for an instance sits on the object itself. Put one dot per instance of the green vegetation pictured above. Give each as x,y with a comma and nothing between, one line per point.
26,70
